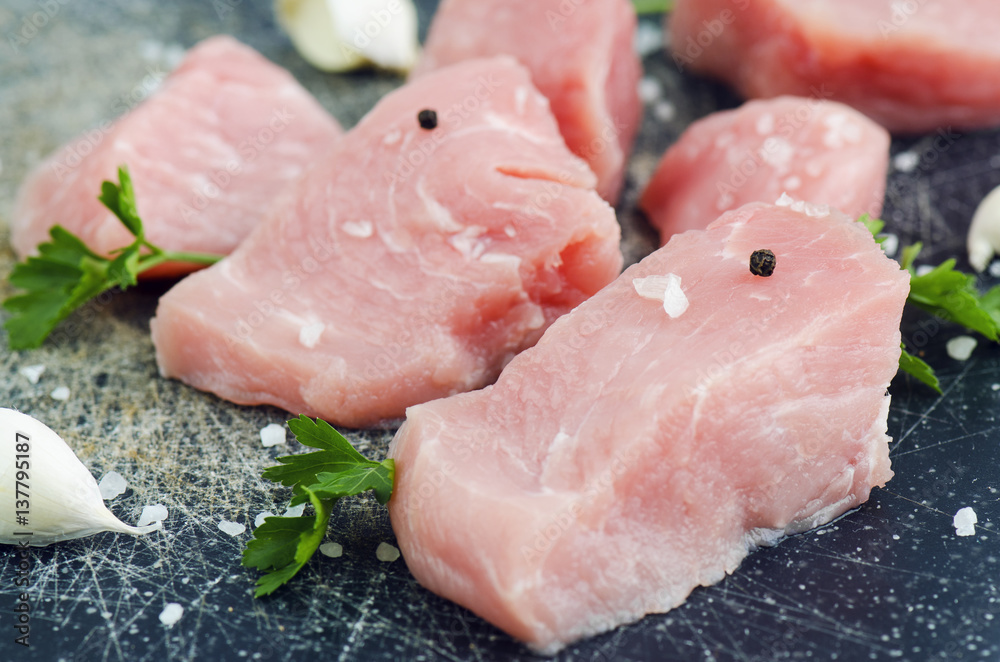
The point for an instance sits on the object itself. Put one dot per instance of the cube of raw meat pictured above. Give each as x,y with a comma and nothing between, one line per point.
661,431
408,264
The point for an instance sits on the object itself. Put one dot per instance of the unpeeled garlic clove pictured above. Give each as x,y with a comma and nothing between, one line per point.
44,483
983,240
339,35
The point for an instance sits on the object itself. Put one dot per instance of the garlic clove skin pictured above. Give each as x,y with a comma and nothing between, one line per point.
983,240
340,35
63,500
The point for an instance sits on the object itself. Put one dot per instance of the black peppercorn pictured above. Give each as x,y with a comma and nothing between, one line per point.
762,262
428,119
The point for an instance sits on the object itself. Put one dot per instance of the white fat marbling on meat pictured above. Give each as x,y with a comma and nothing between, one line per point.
436,212
358,229
502,258
520,98
392,137
467,241
309,335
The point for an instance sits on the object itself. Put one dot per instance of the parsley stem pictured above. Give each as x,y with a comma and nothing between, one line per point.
160,256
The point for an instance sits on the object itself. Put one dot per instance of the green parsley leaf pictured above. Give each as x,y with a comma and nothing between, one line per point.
952,295
919,369
947,293
66,274
282,545
653,6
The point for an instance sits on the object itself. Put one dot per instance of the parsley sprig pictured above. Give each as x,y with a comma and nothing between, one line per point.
66,274
653,6
947,293
282,545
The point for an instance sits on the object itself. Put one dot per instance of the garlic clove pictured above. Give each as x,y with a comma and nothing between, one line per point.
983,240
59,499
339,35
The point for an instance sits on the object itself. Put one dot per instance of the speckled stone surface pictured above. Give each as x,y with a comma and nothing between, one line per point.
890,580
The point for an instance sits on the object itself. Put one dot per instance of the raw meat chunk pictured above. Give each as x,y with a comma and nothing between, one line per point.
226,132
911,66
819,151
580,56
631,456
408,264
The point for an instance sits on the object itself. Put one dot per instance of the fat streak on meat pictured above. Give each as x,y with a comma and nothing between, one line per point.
631,456
408,264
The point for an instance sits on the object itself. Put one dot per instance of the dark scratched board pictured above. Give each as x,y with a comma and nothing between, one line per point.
890,580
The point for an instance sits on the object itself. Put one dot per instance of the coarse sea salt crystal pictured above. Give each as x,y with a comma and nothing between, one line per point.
649,89
60,393
648,39
309,335
960,347
154,513
294,511
663,288
32,372
260,518
334,549
664,111
965,522
386,552
272,435
112,485
905,161
171,613
807,208
890,244
232,528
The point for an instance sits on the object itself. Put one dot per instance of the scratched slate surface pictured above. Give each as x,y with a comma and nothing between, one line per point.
888,581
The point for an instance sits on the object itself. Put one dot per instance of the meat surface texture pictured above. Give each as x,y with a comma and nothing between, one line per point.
911,66
580,56
818,151
407,265
208,151
631,456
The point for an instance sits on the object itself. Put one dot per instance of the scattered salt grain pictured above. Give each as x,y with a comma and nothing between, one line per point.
924,269
359,229
663,288
335,550
60,393
272,435
905,161
295,511
232,528
965,522
995,387
648,38
150,514
260,518
890,244
386,552
807,208
171,613
650,89
960,347
995,269
32,372
309,335
112,485
664,111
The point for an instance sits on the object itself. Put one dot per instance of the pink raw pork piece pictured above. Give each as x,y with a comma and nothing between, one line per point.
226,132
580,56
912,66
631,456
819,151
407,265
